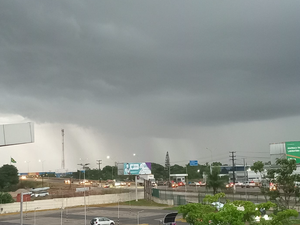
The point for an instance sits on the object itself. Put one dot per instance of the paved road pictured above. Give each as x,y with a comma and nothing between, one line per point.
125,215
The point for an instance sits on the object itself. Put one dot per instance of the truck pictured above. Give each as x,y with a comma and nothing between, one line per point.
142,177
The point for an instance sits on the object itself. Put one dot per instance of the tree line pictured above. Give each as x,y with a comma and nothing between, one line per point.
159,171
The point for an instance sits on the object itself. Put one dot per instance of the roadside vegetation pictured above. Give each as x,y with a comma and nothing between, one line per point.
236,212
286,193
8,181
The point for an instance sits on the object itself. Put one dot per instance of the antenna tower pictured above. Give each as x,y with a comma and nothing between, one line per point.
63,149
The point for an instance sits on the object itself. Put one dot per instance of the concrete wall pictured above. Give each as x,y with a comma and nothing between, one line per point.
68,202
163,201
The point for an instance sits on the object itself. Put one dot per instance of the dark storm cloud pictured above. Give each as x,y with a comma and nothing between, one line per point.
129,63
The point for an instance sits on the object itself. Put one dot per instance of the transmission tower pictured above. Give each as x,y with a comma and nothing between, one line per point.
63,149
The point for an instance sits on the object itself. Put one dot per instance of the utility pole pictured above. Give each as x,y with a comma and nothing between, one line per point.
233,157
99,162
245,179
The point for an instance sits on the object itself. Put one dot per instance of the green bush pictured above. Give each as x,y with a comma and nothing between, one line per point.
5,197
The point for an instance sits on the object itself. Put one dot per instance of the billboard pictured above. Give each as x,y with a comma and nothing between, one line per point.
293,150
14,134
137,168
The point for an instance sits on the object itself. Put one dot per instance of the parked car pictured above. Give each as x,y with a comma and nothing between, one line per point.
102,221
248,184
40,194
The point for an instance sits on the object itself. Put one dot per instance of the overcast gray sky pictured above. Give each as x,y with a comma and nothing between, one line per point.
195,78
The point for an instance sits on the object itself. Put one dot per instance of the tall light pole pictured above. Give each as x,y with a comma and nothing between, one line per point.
210,159
83,167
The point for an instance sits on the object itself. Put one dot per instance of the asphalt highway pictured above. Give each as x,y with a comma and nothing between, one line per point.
122,215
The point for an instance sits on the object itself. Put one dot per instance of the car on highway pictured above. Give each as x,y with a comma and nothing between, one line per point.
106,185
230,185
174,185
85,182
102,221
181,183
248,184
154,184
197,184
118,183
202,183
67,181
237,184
161,182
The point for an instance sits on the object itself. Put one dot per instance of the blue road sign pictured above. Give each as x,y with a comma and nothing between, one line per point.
193,162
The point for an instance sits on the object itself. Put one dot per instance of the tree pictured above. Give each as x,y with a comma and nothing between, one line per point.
158,171
257,167
287,192
8,177
214,181
167,161
5,198
236,212
216,164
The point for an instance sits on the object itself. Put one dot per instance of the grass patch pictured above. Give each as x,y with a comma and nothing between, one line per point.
143,202
175,208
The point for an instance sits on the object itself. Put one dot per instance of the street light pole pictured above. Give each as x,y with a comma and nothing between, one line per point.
83,167
210,159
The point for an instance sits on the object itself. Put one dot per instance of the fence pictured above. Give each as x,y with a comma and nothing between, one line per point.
181,198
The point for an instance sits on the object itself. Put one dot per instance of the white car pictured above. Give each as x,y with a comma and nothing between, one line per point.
102,221
238,184
40,194
195,184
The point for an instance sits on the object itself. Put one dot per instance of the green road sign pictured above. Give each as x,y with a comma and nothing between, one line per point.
293,150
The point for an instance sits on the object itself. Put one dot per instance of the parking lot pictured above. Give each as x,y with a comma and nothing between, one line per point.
127,215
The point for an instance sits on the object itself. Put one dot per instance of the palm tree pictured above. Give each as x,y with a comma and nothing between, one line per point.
214,181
